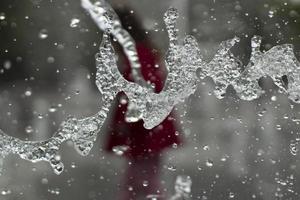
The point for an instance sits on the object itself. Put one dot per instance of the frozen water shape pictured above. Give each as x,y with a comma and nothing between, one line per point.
183,61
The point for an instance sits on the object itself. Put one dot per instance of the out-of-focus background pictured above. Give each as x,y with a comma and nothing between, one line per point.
233,149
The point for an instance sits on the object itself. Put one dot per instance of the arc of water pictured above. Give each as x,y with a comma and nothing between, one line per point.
108,21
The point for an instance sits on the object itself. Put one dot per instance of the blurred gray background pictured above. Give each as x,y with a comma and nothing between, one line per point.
233,149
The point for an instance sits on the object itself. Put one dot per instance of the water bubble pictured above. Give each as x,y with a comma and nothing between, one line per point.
43,34
74,22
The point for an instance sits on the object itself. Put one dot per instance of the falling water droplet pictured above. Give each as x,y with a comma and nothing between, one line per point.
28,93
153,196
43,34
6,192
52,109
44,181
73,165
50,59
171,167
29,129
55,191
271,14
231,195
74,22
2,16
206,147
120,150
273,98
209,163
7,64
293,149
145,183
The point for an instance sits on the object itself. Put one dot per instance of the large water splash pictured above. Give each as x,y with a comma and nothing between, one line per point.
186,68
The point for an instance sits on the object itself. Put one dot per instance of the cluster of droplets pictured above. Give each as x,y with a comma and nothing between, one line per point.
185,66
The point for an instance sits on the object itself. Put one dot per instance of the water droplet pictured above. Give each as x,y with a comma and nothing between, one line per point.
209,163
271,14
171,167
44,181
73,166
153,196
52,109
206,147
43,34
50,60
29,129
145,183
293,149
74,22
130,188
223,159
6,192
273,98
231,195
7,65
28,93
278,127
55,191
123,101
120,150
2,16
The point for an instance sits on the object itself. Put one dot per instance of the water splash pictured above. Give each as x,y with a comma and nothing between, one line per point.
186,68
